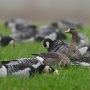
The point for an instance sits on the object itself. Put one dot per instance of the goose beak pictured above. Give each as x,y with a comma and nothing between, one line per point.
12,42
67,31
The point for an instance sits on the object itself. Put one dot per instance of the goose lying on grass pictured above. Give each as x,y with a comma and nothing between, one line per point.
55,58
5,40
24,67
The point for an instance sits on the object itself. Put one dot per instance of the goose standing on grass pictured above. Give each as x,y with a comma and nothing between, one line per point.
55,58
5,40
24,69
51,31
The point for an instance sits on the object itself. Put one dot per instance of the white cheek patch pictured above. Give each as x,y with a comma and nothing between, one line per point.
0,38
46,69
56,72
47,43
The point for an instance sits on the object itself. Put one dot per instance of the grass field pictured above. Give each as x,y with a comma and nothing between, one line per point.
72,78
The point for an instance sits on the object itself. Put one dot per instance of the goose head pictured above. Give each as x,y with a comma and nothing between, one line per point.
72,31
47,43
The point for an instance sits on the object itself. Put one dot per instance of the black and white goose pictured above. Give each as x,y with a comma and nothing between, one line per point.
28,34
24,69
82,38
59,46
16,25
51,31
65,24
5,40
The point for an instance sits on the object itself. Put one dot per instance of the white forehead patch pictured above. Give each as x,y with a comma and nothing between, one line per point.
68,30
47,43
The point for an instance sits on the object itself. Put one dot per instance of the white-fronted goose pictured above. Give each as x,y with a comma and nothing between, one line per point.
5,40
55,58
72,51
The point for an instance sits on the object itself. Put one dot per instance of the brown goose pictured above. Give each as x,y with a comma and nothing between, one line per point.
55,58
72,52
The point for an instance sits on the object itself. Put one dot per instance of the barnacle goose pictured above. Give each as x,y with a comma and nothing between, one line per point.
49,31
26,34
25,66
65,24
59,46
16,24
5,40
24,69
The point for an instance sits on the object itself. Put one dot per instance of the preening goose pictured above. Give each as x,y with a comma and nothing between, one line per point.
72,51
55,58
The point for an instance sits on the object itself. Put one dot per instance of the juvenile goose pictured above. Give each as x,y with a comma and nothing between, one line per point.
55,58
24,69
72,51
5,40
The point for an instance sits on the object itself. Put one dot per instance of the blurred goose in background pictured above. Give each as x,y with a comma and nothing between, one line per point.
28,34
82,39
55,58
51,31
5,40
65,24
16,25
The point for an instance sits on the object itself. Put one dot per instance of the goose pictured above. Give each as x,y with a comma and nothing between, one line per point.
54,58
83,61
65,24
28,34
50,31
24,69
16,24
72,51
59,46
5,40
82,38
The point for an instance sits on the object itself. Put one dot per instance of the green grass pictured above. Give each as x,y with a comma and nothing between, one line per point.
72,78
